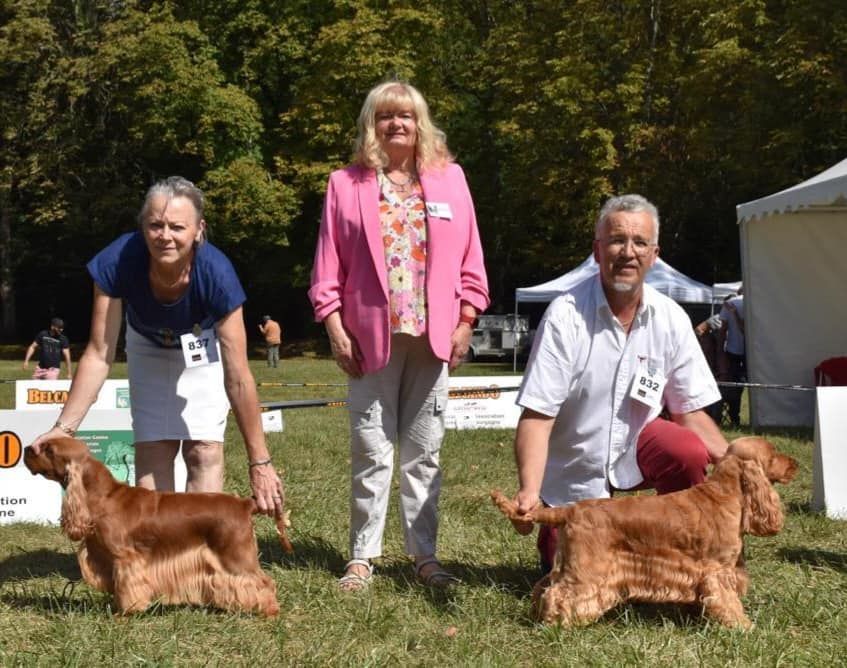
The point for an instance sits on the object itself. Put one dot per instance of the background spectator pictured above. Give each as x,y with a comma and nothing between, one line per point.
52,346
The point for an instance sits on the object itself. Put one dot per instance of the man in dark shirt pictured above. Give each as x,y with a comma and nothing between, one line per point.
52,345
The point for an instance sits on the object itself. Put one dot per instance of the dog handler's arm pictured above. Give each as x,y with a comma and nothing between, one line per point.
531,444
704,426
93,367
241,391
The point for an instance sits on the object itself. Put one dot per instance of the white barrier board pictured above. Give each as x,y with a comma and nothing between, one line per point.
28,498
272,421
829,460
488,407
49,394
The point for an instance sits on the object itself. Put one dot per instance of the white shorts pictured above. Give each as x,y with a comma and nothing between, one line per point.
169,401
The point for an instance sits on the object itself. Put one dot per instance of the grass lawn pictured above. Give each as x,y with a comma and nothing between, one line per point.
798,595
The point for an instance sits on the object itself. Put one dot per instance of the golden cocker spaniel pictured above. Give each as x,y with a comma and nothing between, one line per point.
143,546
684,547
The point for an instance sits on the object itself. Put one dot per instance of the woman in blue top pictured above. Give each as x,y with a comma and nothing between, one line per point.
186,348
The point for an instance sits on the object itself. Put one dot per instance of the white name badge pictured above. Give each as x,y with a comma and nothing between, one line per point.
199,347
648,387
439,209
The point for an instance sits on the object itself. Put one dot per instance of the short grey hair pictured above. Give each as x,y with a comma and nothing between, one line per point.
173,186
630,203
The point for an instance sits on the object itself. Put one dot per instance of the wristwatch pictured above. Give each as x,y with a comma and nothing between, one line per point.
471,320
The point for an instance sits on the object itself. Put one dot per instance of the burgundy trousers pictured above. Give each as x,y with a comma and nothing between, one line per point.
670,457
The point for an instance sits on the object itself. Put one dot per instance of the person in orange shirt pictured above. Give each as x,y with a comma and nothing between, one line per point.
272,332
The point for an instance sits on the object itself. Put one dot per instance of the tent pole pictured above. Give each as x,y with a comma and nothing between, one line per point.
515,346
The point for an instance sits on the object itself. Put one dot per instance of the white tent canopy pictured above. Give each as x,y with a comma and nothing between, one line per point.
661,276
827,190
792,246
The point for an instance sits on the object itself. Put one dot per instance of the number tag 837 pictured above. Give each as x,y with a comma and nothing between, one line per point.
198,344
199,348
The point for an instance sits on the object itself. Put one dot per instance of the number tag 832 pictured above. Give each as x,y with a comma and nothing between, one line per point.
647,388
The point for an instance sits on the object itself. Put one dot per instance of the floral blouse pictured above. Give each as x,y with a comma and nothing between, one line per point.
404,239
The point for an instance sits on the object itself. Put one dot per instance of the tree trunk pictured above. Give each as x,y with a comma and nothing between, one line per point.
8,322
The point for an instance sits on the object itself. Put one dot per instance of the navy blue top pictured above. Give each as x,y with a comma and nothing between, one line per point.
50,347
121,270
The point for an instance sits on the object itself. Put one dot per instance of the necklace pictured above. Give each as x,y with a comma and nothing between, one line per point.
167,286
405,184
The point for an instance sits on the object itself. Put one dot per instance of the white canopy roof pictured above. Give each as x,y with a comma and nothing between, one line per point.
827,189
661,276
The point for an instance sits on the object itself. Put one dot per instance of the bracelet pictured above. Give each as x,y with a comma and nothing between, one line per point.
65,428
261,462
471,320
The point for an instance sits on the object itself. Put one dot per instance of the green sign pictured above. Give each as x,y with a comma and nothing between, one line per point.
114,449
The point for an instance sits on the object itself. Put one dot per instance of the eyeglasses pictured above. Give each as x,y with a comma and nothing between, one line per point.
617,244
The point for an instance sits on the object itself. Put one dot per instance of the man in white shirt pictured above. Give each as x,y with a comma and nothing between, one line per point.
608,357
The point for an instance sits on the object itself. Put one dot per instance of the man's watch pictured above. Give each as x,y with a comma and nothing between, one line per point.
471,320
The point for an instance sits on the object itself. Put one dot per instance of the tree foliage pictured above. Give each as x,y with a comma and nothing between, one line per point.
549,106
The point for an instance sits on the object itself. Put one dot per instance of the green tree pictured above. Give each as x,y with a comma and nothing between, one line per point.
140,96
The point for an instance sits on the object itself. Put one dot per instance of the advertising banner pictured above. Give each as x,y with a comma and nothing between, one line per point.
482,403
50,394
28,498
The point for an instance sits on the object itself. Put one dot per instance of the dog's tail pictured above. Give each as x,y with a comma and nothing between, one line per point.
538,515
282,523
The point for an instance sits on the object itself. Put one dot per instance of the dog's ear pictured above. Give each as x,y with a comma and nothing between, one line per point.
76,518
761,508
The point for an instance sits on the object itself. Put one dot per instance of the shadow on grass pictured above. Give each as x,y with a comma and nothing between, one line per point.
72,598
39,564
309,552
798,508
809,557
314,553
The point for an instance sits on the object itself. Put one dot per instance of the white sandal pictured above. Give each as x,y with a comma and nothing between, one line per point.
354,581
438,578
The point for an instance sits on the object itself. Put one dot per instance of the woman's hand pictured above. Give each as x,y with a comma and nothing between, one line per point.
346,354
345,351
460,341
267,489
46,437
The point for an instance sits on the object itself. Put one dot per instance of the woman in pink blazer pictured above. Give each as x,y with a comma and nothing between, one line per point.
398,282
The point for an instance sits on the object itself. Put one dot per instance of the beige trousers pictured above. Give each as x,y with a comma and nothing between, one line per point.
402,403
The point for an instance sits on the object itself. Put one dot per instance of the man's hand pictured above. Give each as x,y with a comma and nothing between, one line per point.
526,501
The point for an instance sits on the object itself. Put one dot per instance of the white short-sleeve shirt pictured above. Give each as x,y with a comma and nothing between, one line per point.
581,370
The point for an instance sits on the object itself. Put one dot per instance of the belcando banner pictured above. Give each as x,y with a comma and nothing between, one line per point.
28,498
50,394
482,402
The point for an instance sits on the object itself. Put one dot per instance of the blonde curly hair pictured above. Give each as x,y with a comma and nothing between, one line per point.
431,144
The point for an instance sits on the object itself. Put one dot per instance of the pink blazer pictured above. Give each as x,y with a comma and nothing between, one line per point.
349,271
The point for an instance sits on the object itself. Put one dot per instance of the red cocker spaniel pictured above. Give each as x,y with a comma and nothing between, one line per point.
143,546
684,547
